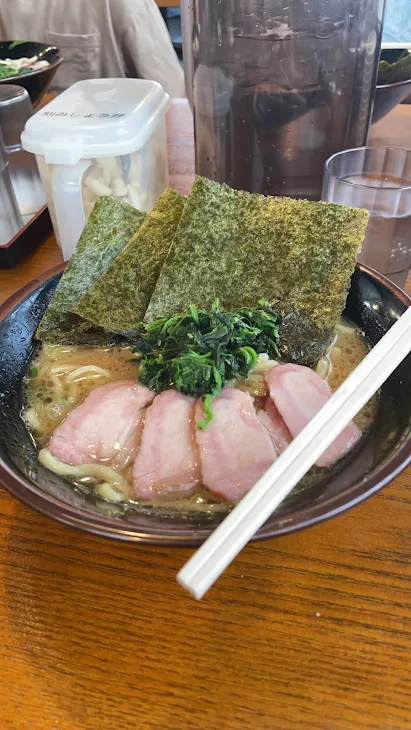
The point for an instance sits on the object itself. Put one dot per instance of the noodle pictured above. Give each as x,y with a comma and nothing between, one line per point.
61,369
323,368
98,471
87,371
345,329
111,493
325,365
56,383
72,392
60,377
33,420
255,383
54,352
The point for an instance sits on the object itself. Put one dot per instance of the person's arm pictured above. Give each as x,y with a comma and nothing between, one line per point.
147,49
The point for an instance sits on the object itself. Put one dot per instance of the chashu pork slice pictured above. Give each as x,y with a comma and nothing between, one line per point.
299,393
167,465
235,449
105,428
274,423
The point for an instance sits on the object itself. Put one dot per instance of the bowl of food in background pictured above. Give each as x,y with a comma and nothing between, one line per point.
29,64
393,82
136,405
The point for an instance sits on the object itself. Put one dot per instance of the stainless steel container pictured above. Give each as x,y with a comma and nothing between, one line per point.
15,110
10,218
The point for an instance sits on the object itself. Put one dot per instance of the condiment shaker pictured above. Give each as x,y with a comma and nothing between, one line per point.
10,218
15,110
99,137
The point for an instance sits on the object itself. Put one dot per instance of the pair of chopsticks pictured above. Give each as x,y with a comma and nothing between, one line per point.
217,552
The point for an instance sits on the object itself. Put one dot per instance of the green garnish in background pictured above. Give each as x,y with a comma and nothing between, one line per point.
197,353
399,70
6,71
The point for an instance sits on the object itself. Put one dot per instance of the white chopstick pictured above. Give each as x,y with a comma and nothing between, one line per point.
217,552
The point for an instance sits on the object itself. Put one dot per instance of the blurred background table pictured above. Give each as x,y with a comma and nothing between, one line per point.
168,3
174,26
306,632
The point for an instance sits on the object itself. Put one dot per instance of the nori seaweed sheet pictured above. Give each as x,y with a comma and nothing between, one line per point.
119,298
241,247
109,228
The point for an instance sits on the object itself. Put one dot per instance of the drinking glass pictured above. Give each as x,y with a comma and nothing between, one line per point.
379,179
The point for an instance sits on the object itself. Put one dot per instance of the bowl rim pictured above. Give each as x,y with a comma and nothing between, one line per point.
303,517
388,86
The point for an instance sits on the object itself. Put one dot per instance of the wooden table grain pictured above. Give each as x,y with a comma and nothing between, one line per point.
306,632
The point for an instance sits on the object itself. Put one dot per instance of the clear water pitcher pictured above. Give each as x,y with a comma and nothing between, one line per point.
277,86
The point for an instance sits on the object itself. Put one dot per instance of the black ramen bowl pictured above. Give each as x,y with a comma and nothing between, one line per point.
387,96
374,304
36,82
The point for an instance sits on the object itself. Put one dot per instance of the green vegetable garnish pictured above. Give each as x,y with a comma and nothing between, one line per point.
197,353
33,372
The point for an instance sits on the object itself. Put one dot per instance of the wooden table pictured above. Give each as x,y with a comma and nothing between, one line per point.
306,632
168,3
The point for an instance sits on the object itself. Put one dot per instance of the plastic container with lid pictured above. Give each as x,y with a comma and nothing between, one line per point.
99,137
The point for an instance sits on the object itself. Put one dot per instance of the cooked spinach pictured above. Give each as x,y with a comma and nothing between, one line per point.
198,352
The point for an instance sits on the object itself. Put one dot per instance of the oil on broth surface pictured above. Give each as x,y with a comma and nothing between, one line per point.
60,377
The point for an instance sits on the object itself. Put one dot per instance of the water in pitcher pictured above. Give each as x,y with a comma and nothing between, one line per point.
387,245
278,86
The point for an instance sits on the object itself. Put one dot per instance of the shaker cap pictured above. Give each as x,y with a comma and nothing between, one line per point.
96,118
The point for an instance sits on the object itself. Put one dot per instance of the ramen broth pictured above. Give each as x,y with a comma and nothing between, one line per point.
60,377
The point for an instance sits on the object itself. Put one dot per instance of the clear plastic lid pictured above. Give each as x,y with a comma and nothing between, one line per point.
96,118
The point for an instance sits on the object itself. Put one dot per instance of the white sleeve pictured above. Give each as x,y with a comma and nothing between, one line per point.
147,48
